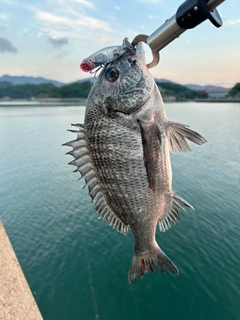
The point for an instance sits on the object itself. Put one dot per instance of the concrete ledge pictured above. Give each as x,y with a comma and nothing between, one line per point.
16,299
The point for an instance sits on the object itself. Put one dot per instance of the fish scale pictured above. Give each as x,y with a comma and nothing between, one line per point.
116,173
122,151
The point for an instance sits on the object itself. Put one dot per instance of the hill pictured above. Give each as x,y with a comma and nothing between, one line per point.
160,80
235,91
178,92
30,80
46,90
4,84
82,89
212,91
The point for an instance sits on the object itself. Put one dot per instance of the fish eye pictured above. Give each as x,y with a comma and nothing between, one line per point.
112,74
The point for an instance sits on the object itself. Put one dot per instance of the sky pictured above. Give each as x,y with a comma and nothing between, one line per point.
50,38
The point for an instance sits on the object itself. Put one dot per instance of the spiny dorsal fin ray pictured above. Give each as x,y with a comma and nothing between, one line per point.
79,125
83,163
174,211
81,151
151,141
177,134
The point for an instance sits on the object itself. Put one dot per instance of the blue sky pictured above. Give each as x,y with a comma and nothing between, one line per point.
50,38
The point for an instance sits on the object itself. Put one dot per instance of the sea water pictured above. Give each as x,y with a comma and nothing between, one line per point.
77,265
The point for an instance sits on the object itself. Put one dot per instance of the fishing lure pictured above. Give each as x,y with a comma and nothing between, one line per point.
106,55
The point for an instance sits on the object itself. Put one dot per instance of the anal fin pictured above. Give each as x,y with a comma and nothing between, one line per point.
173,213
177,134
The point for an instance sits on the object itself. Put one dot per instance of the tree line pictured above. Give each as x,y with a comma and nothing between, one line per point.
82,89
179,92
235,91
45,90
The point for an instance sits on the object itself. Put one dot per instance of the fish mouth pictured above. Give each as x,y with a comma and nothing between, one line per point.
136,54
140,54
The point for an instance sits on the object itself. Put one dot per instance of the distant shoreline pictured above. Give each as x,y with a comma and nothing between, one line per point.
217,100
48,102
43,102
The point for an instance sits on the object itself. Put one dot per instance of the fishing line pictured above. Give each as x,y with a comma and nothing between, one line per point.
92,80
91,280
96,71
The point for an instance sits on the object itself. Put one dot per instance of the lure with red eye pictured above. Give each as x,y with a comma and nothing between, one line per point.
106,55
101,57
87,65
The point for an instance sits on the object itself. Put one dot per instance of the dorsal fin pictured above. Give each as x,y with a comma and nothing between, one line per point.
83,163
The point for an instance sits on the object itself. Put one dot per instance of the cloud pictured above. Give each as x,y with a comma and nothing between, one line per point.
56,34
232,22
82,21
61,54
6,46
149,1
84,3
9,2
3,17
58,42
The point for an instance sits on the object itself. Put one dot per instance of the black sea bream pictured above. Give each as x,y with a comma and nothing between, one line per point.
122,152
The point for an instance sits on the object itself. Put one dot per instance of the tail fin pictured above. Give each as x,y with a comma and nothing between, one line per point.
147,262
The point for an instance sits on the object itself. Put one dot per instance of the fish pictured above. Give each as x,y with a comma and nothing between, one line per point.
122,150
106,55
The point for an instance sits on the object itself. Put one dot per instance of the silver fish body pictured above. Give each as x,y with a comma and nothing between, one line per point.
122,151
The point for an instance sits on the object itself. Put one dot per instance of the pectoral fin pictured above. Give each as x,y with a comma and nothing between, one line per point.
151,141
178,133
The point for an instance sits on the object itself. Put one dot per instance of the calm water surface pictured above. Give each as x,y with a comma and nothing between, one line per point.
77,266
